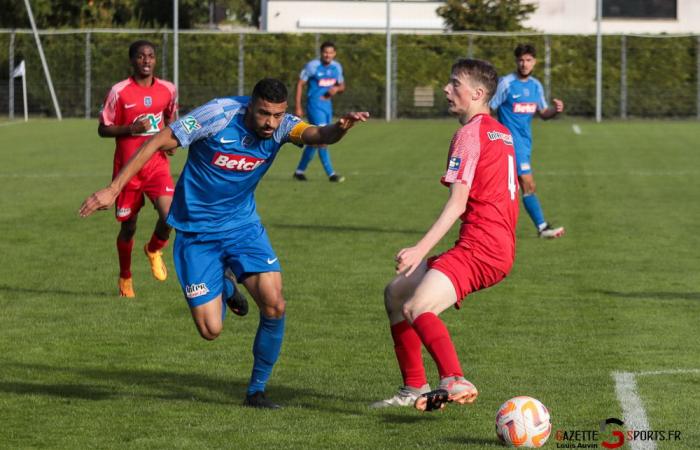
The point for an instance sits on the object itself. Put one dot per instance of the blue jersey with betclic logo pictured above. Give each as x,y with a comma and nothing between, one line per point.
516,101
320,79
224,165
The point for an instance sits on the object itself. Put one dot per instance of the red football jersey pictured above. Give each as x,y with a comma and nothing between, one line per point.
127,102
481,156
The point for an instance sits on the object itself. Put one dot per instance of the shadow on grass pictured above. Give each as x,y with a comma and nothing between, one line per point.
413,418
134,383
342,228
4,288
651,295
466,440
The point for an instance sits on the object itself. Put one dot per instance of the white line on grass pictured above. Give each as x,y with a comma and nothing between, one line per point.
576,128
632,409
668,372
4,124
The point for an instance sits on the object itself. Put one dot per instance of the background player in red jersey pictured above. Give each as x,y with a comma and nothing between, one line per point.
134,110
483,194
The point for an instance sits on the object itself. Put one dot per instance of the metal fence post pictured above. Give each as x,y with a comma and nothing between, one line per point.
241,64
11,86
88,75
394,72
470,48
623,77
547,67
697,74
164,64
317,43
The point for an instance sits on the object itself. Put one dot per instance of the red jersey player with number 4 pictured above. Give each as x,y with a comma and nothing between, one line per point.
134,110
480,174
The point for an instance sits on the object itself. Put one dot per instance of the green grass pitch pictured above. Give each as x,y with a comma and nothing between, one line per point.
82,368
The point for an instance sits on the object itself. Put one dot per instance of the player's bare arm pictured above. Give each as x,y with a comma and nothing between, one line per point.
138,127
330,134
552,110
298,111
408,259
335,90
104,198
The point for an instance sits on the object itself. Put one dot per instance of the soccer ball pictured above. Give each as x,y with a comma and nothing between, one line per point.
523,422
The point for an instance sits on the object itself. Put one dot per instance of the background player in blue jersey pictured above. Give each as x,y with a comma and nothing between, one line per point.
232,143
518,97
324,77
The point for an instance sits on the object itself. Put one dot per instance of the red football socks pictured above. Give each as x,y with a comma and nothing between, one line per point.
433,333
124,250
156,243
407,346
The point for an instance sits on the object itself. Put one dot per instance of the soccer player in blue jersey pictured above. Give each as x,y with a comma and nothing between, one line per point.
519,97
232,143
324,77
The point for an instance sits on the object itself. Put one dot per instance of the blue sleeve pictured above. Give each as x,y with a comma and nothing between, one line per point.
340,78
501,94
308,71
200,123
541,100
288,123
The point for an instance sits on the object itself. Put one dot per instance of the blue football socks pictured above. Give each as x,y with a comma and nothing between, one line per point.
325,156
228,291
306,158
532,205
266,350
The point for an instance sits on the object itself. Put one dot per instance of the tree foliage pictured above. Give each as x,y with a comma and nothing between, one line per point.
486,15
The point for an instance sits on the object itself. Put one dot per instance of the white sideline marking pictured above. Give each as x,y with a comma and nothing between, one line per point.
633,411
635,416
576,128
9,123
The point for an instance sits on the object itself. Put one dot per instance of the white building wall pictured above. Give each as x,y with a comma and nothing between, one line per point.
552,16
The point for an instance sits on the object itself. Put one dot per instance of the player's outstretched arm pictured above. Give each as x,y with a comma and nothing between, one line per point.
408,259
553,110
330,134
105,198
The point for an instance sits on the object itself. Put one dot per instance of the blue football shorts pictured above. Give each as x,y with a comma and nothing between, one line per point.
201,258
522,161
320,115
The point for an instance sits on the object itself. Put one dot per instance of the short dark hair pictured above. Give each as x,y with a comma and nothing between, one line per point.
328,44
479,71
271,90
135,46
525,49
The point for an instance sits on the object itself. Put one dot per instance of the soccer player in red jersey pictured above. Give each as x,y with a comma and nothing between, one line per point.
483,193
134,110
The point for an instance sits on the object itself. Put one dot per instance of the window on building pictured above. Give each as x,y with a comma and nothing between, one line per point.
640,9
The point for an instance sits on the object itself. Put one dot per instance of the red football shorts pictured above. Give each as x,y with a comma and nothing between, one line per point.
153,180
467,273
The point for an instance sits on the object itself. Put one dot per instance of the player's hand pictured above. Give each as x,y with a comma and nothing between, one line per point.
350,119
408,260
140,125
558,105
101,199
170,151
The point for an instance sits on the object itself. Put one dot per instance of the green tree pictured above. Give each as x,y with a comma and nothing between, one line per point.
485,15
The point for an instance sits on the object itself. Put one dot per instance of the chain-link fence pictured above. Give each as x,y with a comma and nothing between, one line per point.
643,76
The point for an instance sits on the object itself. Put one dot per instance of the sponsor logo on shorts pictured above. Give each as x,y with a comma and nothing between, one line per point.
237,163
169,189
196,290
271,260
525,166
454,163
525,108
123,212
496,135
147,101
190,124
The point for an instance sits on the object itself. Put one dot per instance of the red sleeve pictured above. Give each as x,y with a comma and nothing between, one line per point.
109,111
465,150
172,107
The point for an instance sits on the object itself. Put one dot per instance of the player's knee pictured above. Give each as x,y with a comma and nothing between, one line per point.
209,332
275,308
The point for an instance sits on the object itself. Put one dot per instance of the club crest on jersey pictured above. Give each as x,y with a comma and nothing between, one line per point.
236,163
190,124
147,101
247,141
525,108
496,135
454,163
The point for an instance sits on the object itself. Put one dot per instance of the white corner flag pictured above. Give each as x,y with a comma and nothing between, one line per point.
21,71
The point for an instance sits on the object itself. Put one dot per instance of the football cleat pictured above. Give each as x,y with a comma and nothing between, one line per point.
551,233
126,288
299,176
433,400
237,302
460,390
258,400
406,396
336,178
158,269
